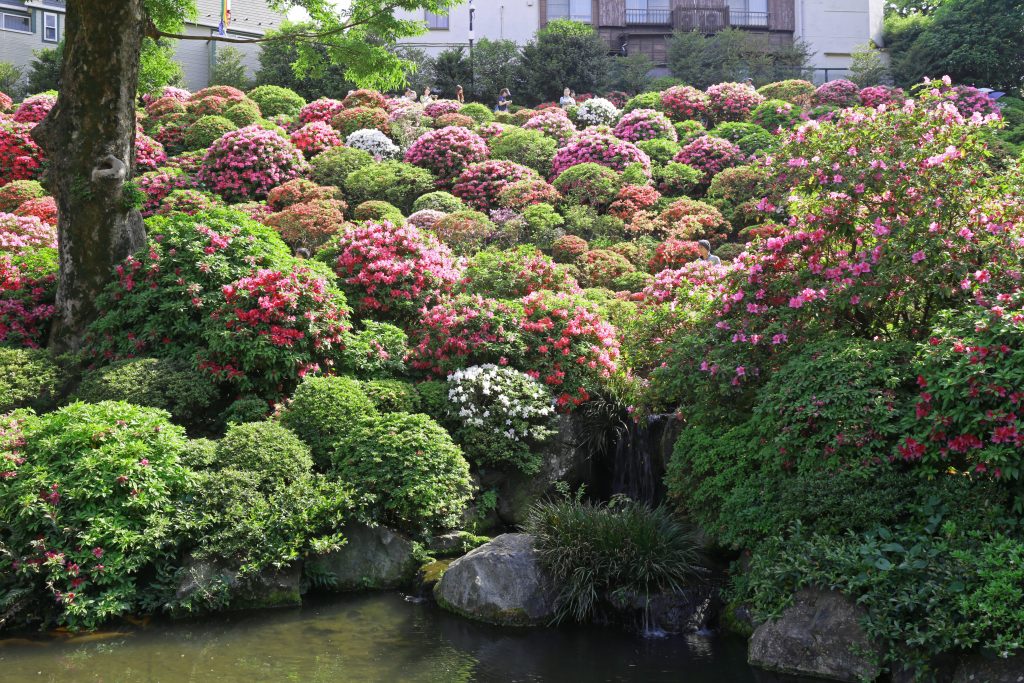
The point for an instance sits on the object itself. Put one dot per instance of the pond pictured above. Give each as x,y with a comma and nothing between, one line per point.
368,637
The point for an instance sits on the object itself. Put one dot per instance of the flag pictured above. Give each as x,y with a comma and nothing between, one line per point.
225,17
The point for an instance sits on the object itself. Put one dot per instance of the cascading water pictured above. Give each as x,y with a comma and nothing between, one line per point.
641,451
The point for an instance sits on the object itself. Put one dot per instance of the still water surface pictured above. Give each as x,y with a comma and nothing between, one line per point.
371,638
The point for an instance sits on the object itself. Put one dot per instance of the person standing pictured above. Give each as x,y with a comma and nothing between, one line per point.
426,97
504,100
567,100
460,95
705,253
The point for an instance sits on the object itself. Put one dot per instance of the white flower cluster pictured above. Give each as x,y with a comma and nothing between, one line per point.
373,141
501,400
597,111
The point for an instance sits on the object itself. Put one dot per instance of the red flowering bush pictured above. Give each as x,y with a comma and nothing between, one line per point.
631,199
674,253
599,148
34,109
441,107
314,138
364,98
690,219
299,190
164,106
157,185
601,267
171,130
20,157
523,193
479,184
160,301
466,330
454,119
28,286
214,105
278,326
247,163
514,273
732,101
795,90
969,100
569,248
5,103
228,92
348,121
149,154
308,224
876,95
683,103
645,124
425,219
44,208
188,201
553,123
839,93
393,270
13,194
323,109
710,155
447,152
465,231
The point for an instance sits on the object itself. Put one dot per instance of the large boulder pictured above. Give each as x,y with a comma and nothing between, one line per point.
372,558
500,582
820,635
977,669
206,586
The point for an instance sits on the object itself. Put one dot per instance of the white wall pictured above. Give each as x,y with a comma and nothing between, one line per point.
249,18
514,20
835,28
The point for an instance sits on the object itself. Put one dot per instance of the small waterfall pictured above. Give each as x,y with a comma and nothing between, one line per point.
639,463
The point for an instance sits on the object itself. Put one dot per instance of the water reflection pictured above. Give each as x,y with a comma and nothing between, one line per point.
369,638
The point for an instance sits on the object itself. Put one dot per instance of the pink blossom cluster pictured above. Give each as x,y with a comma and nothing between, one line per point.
348,121
169,92
555,124
446,152
315,137
212,105
365,98
839,93
524,193
732,101
164,106
425,219
156,185
441,107
633,198
20,157
394,269
324,109
466,330
645,124
21,233
26,301
5,102
599,148
149,154
247,163
674,253
877,95
685,103
228,92
668,283
479,184
34,109
43,208
710,155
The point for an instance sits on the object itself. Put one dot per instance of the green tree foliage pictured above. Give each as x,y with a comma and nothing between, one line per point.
10,78
495,65
44,70
228,68
868,68
276,59
564,54
733,55
631,73
157,67
451,68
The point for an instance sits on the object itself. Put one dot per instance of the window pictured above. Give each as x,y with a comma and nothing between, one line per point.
50,31
748,13
577,10
437,22
15,22
648,12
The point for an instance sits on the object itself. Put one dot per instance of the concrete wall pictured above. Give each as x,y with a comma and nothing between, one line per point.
514,20
835,28
17,47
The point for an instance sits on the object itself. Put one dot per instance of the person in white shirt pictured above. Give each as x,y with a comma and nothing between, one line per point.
567,99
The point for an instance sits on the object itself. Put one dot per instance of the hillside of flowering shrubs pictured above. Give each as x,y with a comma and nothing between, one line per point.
850,367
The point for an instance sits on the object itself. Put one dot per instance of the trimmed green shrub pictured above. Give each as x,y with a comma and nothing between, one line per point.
597,552
408,464
434,399
246,409
445,202
171,385
377,351
206,131
660,150
530,148
588,184
275,100
677,180
645,100
270,451
244,113
688,131
109,473
378,211
392,395
199,454
324,411
478,112
395,182
28,379
333,166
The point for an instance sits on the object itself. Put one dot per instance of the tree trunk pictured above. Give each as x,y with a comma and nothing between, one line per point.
89,140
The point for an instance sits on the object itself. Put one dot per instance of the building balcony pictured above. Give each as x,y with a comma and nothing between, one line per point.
748,19
710,20
648,17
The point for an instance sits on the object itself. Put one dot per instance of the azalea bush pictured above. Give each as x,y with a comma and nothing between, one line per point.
248,163
480,184
348,121
373,142
710,155
684,103
308,224
314,138
447,152
645,124
20,157
732,101
602,149
597,111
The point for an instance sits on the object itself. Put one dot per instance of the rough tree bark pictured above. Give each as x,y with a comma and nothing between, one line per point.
89,140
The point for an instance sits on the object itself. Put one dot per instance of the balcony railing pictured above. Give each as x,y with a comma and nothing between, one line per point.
706,20
748,19
648,17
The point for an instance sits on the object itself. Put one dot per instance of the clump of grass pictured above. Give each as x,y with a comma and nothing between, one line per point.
595,551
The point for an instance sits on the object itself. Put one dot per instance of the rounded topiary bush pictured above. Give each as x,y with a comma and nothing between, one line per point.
376,351
478,112
588,184
438,201
775,115
554,124
348,121
417,476
275,100
28,379
246,163
267,449
308,224
395,182
684,103
446,152
710,156
479,184
243,113
794,90
314,138
20,157
600,148
206,131
324,411
375,143
174,386
659,150
333,166
364,98
645,124
525,193
732,101
111,473
298,191
530,148
392,395
645,100
464,231
378,211
14,194
323,109
838,93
